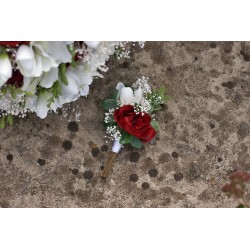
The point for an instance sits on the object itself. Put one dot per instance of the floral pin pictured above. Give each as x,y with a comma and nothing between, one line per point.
130,116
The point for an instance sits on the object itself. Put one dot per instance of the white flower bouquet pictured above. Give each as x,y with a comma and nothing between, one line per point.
39,76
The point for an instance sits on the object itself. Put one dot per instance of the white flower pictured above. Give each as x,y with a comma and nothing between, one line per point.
70,92
41,57
126,95
101,54
5,69
30,85
48,78
42,104
79,78
92,44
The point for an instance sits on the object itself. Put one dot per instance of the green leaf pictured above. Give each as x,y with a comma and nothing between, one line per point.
13,92
166,98
154,125
136,143
4,90
10,119
240,206
2,50
27,93
109,104
161,91
156,107
56,91
73,53
114,95
126,138
62,74
2,122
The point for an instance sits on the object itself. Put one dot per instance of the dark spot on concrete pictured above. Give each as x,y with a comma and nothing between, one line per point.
102,167
125,65
178,176
219,159
88,174
4,204
211,125
133,177
104,148
175,155
153,172
193,173
9,157
158,56
84,195
41,162
229,85
75,171
165,157
54,140
73,126
145,185
72,193
196,58
47,125
213,45
243,130
95,152
67,145
246,56
134,157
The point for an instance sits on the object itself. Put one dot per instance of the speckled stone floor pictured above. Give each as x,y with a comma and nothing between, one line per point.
205,136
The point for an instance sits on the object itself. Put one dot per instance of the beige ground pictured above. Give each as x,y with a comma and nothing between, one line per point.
205,136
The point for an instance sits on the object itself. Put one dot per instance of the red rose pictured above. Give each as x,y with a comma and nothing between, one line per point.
12,43
137,125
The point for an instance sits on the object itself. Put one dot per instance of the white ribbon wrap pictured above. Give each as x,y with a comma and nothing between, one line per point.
116,146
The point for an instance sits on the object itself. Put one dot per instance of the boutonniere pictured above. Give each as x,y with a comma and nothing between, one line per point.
130,116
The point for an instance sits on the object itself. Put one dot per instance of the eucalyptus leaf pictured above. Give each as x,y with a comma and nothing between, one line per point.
156,107
161,91
126,138
154,124
109,104
114,95
136,143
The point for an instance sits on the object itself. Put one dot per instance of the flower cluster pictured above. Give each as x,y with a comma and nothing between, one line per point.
129,113
236,187
40,76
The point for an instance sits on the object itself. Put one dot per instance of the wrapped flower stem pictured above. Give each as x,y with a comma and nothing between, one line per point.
112,157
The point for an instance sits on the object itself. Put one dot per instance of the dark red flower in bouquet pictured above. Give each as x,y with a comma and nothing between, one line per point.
13,43
137,125
16,79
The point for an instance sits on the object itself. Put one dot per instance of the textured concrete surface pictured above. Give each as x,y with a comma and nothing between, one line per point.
205,136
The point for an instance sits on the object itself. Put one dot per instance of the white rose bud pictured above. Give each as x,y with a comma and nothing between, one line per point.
126,96
5,69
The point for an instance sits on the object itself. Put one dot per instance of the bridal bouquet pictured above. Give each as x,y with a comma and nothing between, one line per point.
130,116
40,76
